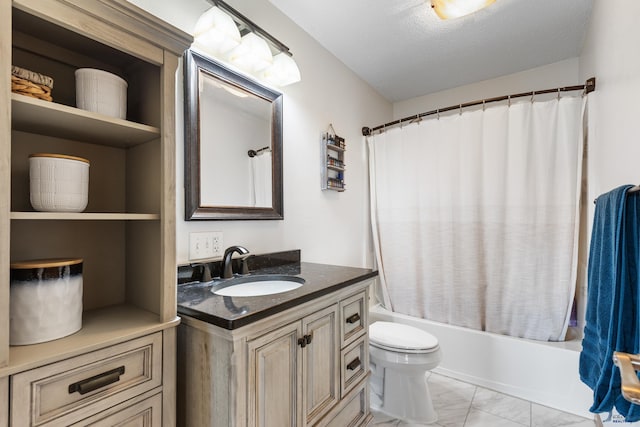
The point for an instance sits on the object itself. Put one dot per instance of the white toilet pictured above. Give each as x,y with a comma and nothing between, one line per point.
400,356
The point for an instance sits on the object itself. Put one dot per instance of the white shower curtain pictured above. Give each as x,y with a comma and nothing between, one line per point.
475,216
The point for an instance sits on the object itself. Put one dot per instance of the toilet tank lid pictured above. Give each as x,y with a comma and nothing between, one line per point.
400,336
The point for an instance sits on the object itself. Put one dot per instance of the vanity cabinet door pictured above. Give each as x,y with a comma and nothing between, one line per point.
320,362
274,382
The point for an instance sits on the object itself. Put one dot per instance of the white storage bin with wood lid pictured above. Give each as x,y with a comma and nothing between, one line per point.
46,300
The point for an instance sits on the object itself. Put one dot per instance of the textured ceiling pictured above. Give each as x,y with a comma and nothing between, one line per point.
403,50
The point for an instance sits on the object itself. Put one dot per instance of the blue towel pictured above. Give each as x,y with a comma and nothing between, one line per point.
612,301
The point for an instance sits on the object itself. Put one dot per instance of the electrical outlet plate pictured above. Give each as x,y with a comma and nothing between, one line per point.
206,244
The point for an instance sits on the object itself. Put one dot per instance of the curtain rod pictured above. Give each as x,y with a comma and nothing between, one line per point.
588,87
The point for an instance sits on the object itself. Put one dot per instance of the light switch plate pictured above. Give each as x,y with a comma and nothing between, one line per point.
205,244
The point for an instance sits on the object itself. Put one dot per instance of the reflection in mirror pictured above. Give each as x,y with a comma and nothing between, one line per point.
233,144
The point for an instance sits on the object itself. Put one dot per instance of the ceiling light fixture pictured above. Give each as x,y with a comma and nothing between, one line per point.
448,9
256,52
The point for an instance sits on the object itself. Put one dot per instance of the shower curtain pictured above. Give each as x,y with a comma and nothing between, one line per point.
475,216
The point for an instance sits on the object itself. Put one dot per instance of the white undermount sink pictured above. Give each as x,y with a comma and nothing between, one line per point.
258,285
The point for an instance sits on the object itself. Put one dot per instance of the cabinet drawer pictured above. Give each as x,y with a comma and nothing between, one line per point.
353,317
353,409
73,389
354,363
146,413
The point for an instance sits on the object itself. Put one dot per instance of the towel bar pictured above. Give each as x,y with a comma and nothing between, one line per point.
628,364
634,189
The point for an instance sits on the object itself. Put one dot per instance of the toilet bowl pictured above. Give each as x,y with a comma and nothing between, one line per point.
400,356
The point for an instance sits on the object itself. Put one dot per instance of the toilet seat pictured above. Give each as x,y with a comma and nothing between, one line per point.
401,338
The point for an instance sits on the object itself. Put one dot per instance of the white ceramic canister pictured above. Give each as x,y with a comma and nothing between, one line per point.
45,301
101,92
59,183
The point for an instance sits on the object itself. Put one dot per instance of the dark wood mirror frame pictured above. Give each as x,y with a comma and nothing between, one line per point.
195,63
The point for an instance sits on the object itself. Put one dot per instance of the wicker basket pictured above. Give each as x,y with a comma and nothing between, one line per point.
31,84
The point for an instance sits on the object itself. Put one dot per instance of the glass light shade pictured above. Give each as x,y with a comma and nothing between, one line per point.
216,32
447,9
253,54
284,71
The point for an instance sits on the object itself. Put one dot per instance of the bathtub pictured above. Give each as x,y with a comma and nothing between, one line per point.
544,373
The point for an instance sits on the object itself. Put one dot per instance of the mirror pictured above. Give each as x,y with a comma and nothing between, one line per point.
233,144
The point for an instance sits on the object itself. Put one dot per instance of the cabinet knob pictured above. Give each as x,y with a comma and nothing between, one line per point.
353,318
306,339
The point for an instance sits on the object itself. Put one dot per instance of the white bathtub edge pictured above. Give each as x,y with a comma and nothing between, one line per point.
544,373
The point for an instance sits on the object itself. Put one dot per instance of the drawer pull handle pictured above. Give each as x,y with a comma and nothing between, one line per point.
96,382
353,318
353,364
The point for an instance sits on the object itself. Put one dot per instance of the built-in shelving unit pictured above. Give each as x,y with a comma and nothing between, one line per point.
126,235
333,148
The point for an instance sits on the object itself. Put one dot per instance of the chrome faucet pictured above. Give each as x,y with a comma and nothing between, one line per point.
227,266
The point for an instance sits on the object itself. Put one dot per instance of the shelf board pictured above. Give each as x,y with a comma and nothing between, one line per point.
335,168
100,328
89,216
335,148
57,120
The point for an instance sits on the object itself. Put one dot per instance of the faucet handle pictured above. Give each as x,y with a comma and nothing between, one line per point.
206,271
244,265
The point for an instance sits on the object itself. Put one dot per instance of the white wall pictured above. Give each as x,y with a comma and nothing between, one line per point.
329,227
563,73
611,54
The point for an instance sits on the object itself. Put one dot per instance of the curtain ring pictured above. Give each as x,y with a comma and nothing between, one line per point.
558,94
509,100
460,109
438,113
532,95
483,105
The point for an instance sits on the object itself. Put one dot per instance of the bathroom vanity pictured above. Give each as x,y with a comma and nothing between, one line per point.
298,358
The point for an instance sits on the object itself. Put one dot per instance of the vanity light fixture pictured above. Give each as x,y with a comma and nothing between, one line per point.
254,51
216,33
283,71
252,55
448,9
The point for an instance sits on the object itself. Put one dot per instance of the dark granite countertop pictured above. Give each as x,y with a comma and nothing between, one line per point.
196,300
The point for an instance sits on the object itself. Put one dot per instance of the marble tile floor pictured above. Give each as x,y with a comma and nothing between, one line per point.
460,404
